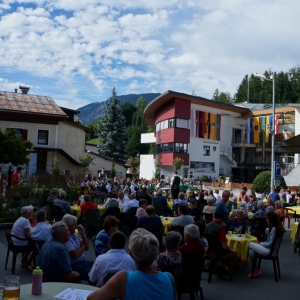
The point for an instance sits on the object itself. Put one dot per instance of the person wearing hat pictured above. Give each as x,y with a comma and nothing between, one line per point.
216,236
193,210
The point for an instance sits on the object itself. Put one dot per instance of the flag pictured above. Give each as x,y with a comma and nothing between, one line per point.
268,129
218,130
256,130
262,129
213,127
201,124
196,123
276,124
207,125
250,131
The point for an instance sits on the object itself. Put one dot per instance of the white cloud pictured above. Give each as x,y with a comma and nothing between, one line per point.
145,46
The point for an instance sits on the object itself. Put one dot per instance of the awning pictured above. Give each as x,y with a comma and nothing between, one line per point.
291,145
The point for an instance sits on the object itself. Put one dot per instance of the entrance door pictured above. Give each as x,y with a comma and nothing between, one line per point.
32,164
41,162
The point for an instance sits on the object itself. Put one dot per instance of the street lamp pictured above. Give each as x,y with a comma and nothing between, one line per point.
272,78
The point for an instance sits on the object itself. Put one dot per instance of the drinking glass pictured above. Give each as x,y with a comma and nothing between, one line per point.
234,231
240,230
11,288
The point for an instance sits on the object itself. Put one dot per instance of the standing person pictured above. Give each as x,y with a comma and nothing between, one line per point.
145,195
102,175
264,248
222,207
15,178
273,195
174,186
145,283
9,176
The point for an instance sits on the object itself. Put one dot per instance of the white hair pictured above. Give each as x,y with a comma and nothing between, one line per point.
25,210
192,230
69,219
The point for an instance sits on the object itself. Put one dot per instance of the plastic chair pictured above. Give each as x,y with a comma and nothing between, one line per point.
272,256
11,247
213,255
187,276
92,218
108,276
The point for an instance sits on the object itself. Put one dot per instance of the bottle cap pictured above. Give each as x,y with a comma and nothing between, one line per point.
37,271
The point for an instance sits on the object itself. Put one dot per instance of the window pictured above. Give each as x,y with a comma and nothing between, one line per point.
182,123
43,137
171,123
206,150
165,148
158,126
180,148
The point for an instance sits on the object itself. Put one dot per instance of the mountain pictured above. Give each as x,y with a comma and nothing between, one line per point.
91,112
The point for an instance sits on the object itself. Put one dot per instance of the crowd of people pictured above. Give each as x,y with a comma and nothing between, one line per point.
201,220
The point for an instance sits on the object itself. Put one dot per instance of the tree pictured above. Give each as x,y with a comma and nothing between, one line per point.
128,111
177,163
113,171
13,149
93,134
111,130
222,97
135,162
86,160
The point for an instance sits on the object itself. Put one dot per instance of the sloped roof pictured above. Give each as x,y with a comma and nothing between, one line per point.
30,104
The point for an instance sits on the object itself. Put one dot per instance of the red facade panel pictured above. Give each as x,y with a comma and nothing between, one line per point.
167,111
182,108
173,135
166,159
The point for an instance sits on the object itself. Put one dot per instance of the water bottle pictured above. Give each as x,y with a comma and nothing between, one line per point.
37,279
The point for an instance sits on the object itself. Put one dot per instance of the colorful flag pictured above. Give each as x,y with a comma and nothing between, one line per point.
207,125
250,139
196,123
213,127
218,130
268,129
201,124
262,129
276,124
256,130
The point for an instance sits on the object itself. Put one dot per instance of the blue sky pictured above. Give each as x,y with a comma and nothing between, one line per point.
76,51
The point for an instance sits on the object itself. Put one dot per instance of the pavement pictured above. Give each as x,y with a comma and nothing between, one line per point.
241,287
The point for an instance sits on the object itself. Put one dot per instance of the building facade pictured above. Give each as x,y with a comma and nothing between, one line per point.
213,139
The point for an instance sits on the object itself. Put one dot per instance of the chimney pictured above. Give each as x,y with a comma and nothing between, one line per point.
24,89
16,90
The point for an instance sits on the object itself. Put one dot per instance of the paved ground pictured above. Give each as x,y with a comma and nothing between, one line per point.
261,287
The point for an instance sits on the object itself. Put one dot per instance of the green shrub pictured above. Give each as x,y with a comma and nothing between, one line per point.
262,183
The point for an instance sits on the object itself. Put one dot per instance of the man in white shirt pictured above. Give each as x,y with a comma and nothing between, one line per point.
41,232
123,199
114,260
217,196
134,187
132,203
108,186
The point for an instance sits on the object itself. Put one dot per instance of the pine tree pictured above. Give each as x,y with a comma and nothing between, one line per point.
111,130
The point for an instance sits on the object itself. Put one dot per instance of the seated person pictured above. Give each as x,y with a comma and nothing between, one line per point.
77,246
279,210
146,196
87,204
193,210
22,229
180,200
114,260
210,207
41,232
147,283
260,213
270,205
132,203
112,201
276,230
240,221
216,236
141,211
110,225
252,204
123,199
150,220
171,255
183,219
83,191
54,258
63,203
161,198
274,195
201,226
193,248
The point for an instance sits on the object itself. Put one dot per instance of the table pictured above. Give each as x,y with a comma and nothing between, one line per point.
77,210
295,209
240,244
294,232
166,223
51,289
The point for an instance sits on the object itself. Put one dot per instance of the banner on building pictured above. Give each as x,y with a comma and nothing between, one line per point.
259,129
206,125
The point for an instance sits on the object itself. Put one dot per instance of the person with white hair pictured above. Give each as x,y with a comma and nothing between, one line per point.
22,229
77,246
193,248
62,203
260,213
141,284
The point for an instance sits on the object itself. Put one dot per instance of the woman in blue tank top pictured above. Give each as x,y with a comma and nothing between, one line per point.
145,283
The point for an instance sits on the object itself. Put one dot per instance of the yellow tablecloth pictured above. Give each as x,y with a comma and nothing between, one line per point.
295,209
77,210
294,231
240,244
166,223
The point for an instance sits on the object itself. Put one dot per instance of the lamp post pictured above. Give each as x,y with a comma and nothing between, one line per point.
272,78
